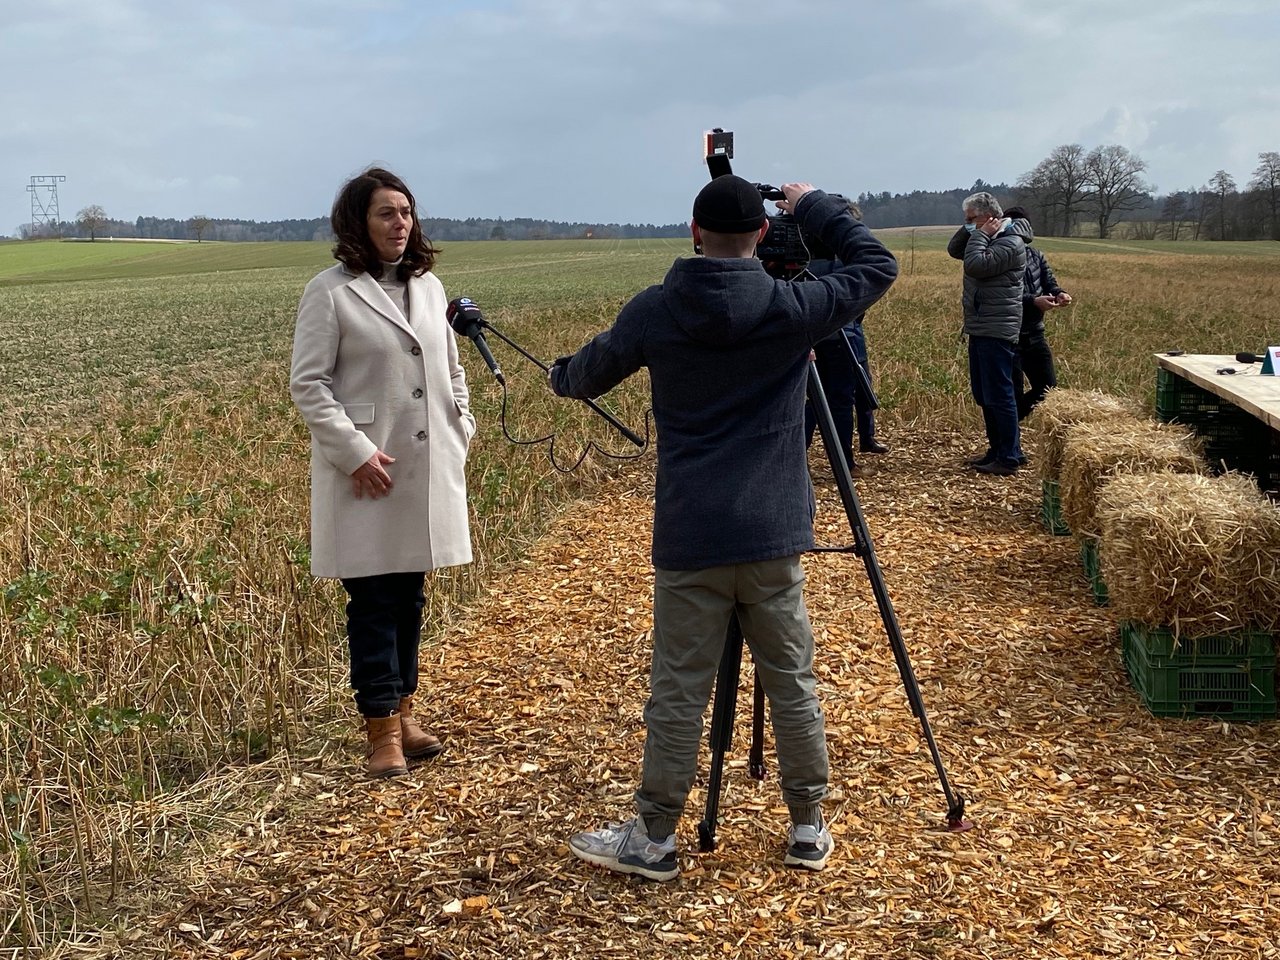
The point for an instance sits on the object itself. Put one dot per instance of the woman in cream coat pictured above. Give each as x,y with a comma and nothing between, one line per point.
376,376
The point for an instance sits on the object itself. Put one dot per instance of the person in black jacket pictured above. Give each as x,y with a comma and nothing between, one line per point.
727,349
1040,294
849,393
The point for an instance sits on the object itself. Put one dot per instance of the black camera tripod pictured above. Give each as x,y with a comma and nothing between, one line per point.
727,678
725,702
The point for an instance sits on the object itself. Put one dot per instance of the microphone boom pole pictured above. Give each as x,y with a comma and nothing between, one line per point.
613,421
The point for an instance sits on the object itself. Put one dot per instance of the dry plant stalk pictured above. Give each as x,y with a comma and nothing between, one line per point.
1199,554
1095,452
1062,409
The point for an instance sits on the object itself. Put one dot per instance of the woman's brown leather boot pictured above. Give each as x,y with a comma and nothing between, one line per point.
418,744
385,754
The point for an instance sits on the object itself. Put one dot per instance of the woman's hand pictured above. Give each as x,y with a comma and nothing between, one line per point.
1046,302
372,478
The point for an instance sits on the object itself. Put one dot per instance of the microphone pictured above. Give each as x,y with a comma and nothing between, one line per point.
1249,358
466,319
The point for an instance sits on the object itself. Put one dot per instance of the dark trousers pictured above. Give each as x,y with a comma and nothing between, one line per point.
1035,360
991,363
840,385
384,626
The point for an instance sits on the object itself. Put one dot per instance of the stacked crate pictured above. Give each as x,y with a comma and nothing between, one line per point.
1234,439
1051,509
1230,676
1193,575
1093,569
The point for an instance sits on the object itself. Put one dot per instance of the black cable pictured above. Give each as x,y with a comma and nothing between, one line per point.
550,440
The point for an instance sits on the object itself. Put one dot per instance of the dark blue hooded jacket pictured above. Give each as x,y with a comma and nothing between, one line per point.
727,347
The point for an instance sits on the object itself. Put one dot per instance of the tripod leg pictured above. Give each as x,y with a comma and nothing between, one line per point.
862,542
721,736
866,393
756,756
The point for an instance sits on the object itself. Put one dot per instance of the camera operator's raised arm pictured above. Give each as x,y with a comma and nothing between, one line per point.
867,268
792,192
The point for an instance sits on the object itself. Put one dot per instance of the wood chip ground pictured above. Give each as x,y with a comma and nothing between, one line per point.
1099,831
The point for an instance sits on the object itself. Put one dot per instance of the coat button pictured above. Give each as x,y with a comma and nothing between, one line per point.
417,393
416,351
421,434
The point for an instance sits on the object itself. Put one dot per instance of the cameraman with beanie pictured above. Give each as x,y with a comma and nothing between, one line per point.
727,348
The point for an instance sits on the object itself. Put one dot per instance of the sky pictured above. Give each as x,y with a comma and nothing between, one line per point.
594,111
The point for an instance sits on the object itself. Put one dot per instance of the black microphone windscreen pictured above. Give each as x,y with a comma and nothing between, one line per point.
1247,358
464,316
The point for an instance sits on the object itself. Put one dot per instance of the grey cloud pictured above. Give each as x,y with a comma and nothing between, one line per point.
593,110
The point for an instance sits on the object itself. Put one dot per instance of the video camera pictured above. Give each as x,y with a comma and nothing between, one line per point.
785,250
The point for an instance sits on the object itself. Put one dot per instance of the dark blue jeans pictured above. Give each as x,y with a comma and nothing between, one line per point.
991,364
840,385
1035,359
384,626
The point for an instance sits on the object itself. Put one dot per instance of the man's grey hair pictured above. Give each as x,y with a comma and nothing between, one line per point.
982,203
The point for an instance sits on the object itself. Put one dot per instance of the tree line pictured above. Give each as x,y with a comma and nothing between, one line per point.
1079,192
92,223
1071,192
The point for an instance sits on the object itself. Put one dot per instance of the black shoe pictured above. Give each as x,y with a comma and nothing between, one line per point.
998,468
982,461
873,446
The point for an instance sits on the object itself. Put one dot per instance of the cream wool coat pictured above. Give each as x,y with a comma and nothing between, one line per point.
366,379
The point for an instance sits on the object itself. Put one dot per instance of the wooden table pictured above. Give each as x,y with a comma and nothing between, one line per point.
1246,388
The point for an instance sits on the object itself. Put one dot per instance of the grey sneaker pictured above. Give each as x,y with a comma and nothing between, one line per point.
626,848
808,846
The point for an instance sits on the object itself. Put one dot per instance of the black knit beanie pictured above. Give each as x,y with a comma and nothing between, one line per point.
729,204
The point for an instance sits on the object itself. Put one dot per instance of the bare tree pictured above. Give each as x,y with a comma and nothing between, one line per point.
92,218
1266,180
1221,193
1175,208
1056,188
1114,177
1143,229
198,224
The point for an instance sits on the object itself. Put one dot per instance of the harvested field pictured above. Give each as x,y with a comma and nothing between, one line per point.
1099,830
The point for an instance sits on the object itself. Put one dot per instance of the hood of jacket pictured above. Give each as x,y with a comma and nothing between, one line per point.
718,300
1020,228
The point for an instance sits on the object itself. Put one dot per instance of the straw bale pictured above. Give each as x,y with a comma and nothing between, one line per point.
1199,554
1094,452
1062,409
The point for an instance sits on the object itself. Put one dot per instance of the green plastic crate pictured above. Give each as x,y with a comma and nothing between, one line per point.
1051,509
1230,676
1093,570
1233,438
1159,646
1177,398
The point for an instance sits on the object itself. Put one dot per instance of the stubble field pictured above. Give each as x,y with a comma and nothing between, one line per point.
166,662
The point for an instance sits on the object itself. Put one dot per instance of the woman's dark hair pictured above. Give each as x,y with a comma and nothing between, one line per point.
350,222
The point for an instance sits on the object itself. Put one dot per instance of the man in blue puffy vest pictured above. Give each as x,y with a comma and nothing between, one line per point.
1040,294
